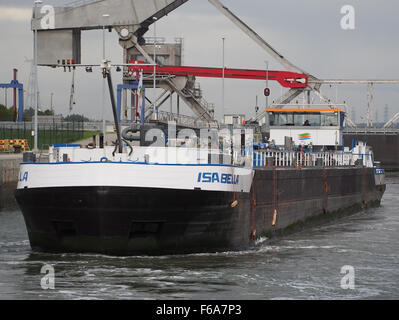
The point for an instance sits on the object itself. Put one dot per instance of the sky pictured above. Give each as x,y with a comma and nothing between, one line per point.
307,32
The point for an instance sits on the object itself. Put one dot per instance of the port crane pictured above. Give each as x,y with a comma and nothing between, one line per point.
131,19
314,83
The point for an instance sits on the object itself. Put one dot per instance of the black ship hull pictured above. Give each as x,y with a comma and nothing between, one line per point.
134,221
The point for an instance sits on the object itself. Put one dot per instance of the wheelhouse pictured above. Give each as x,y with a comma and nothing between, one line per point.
315,127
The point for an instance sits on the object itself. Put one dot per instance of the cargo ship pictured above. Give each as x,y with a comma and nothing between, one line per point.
188,197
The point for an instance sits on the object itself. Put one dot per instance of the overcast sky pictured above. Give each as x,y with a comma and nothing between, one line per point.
307,32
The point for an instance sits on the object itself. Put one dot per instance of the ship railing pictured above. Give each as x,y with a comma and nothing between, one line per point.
152,155
308,159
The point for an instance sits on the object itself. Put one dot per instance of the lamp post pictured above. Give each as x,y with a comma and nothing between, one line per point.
35,148
155,111
52,108
103,91
223,67
267,82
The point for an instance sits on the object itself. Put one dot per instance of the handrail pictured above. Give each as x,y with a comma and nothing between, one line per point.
309,159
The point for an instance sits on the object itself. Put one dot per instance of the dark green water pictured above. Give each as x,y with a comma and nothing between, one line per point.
306,265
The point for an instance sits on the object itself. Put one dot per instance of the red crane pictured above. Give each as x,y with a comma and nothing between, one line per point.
285,78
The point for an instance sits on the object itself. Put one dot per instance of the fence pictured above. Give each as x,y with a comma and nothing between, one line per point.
48,134
292,158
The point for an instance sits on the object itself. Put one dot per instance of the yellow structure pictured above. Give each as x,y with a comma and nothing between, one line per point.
8,145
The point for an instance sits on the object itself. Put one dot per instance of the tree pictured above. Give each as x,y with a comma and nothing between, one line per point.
29,113
76,118
48,112
6,114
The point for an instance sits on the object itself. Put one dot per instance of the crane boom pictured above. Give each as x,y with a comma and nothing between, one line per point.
390,122
254,36
285,78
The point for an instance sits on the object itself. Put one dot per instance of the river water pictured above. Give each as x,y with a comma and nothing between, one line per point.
305,265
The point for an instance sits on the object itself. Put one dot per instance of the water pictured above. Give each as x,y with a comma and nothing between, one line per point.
306,265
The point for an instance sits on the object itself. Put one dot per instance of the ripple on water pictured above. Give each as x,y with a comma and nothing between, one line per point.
306,265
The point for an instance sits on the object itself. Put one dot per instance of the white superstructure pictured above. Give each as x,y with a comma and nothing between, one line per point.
145,167
316,127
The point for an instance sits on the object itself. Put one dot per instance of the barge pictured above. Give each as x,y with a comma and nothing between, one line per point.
188,197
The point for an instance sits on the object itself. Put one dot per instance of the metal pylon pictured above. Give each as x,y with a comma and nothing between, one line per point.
369,104
30,92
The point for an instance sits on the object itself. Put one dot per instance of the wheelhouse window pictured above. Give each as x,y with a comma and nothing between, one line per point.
307,119
303,119
281,119
330,119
